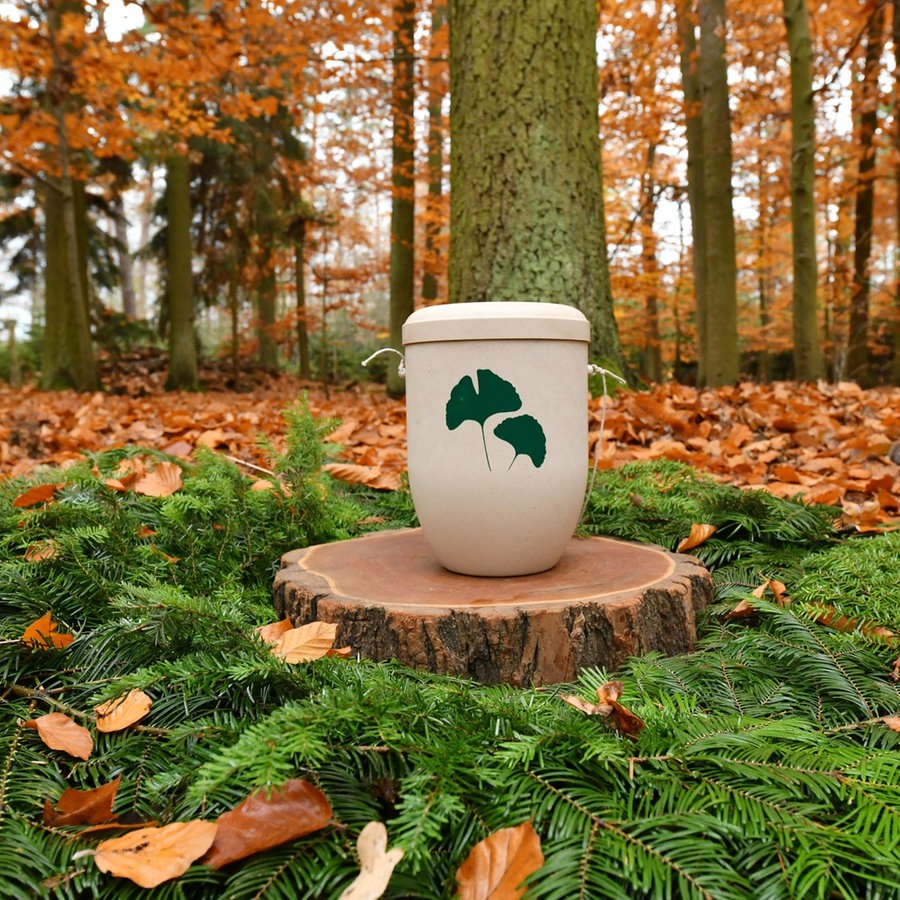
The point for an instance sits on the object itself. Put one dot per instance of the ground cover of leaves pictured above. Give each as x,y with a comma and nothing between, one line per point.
835,444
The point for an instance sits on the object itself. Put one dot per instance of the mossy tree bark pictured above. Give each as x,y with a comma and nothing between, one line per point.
721,361
182,373
808,361
526,203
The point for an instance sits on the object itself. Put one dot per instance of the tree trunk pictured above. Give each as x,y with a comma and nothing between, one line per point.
809,364
526,208
895,32
720,355
403,210
182,374
300,293
690,81
858,362
266,315
123,255
651,356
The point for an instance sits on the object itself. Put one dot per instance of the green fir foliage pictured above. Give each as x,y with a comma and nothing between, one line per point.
765,769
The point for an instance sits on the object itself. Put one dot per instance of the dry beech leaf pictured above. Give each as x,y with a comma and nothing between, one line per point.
75,807
47,549
42,634
623,719
586,706
272,632
40,493
497,867
828,615
163,481
60,732
150,856
120,712
892,722
370,476
376,864
700,533
268,818
306,643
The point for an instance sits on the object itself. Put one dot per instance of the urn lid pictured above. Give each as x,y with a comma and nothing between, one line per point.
496,320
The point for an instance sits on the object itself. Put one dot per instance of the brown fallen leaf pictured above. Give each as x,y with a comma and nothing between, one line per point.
699,534
370,476
267,819
306,643
497,867
42,634
150,856
40,493
120,712
60,732
376,864
163,481
892,722
92,807
828,615
46,549
623,719
272,632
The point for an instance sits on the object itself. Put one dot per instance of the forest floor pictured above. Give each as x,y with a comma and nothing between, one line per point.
831,443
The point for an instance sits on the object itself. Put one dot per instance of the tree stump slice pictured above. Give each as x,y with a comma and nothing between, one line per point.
604,601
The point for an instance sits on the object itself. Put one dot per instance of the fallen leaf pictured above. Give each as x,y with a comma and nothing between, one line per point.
370,476
626,722
376,864
892,722
272,632
497,867
40,493
92,807
47,549
120,712
150,856
42,634
267,819
306,643
698,535
60,732
828,615
587,706
163,481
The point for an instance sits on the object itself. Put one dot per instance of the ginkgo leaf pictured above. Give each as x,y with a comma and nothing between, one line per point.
266,819
40,493
42,634
306,643
699,534
120,712
60,732
526,436
494,395
75,807
163,481
376,864
150,856
497,867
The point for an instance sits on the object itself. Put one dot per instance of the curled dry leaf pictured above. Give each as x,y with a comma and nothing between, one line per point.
268,818
150,856
699,534
163,481
120,712
608,706
42,634
60,732
272,632
496,868
306,643
376,864
93,807
40,493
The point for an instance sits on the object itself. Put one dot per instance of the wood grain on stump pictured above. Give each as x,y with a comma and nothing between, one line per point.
604,601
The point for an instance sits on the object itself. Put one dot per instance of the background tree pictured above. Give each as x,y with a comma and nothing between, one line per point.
526,204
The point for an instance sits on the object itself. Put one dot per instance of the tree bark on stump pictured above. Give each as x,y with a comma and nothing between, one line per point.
605,601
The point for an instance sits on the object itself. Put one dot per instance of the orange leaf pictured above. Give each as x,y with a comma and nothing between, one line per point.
120,712
42,635
265,820
150,856
376,864
306,643
371,476
828,615
272,632
699,534
496,868
38,494
163,481
892,722
586,706
46,549
59,732
626,722
76,807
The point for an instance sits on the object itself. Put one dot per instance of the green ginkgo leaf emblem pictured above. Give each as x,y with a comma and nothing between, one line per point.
494,395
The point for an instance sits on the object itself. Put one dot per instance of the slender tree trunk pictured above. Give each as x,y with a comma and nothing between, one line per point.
526,209
266,317
895,33
300,291
721,354
403,210
809,363
858,361
123,255
182,374
434,198
651,356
